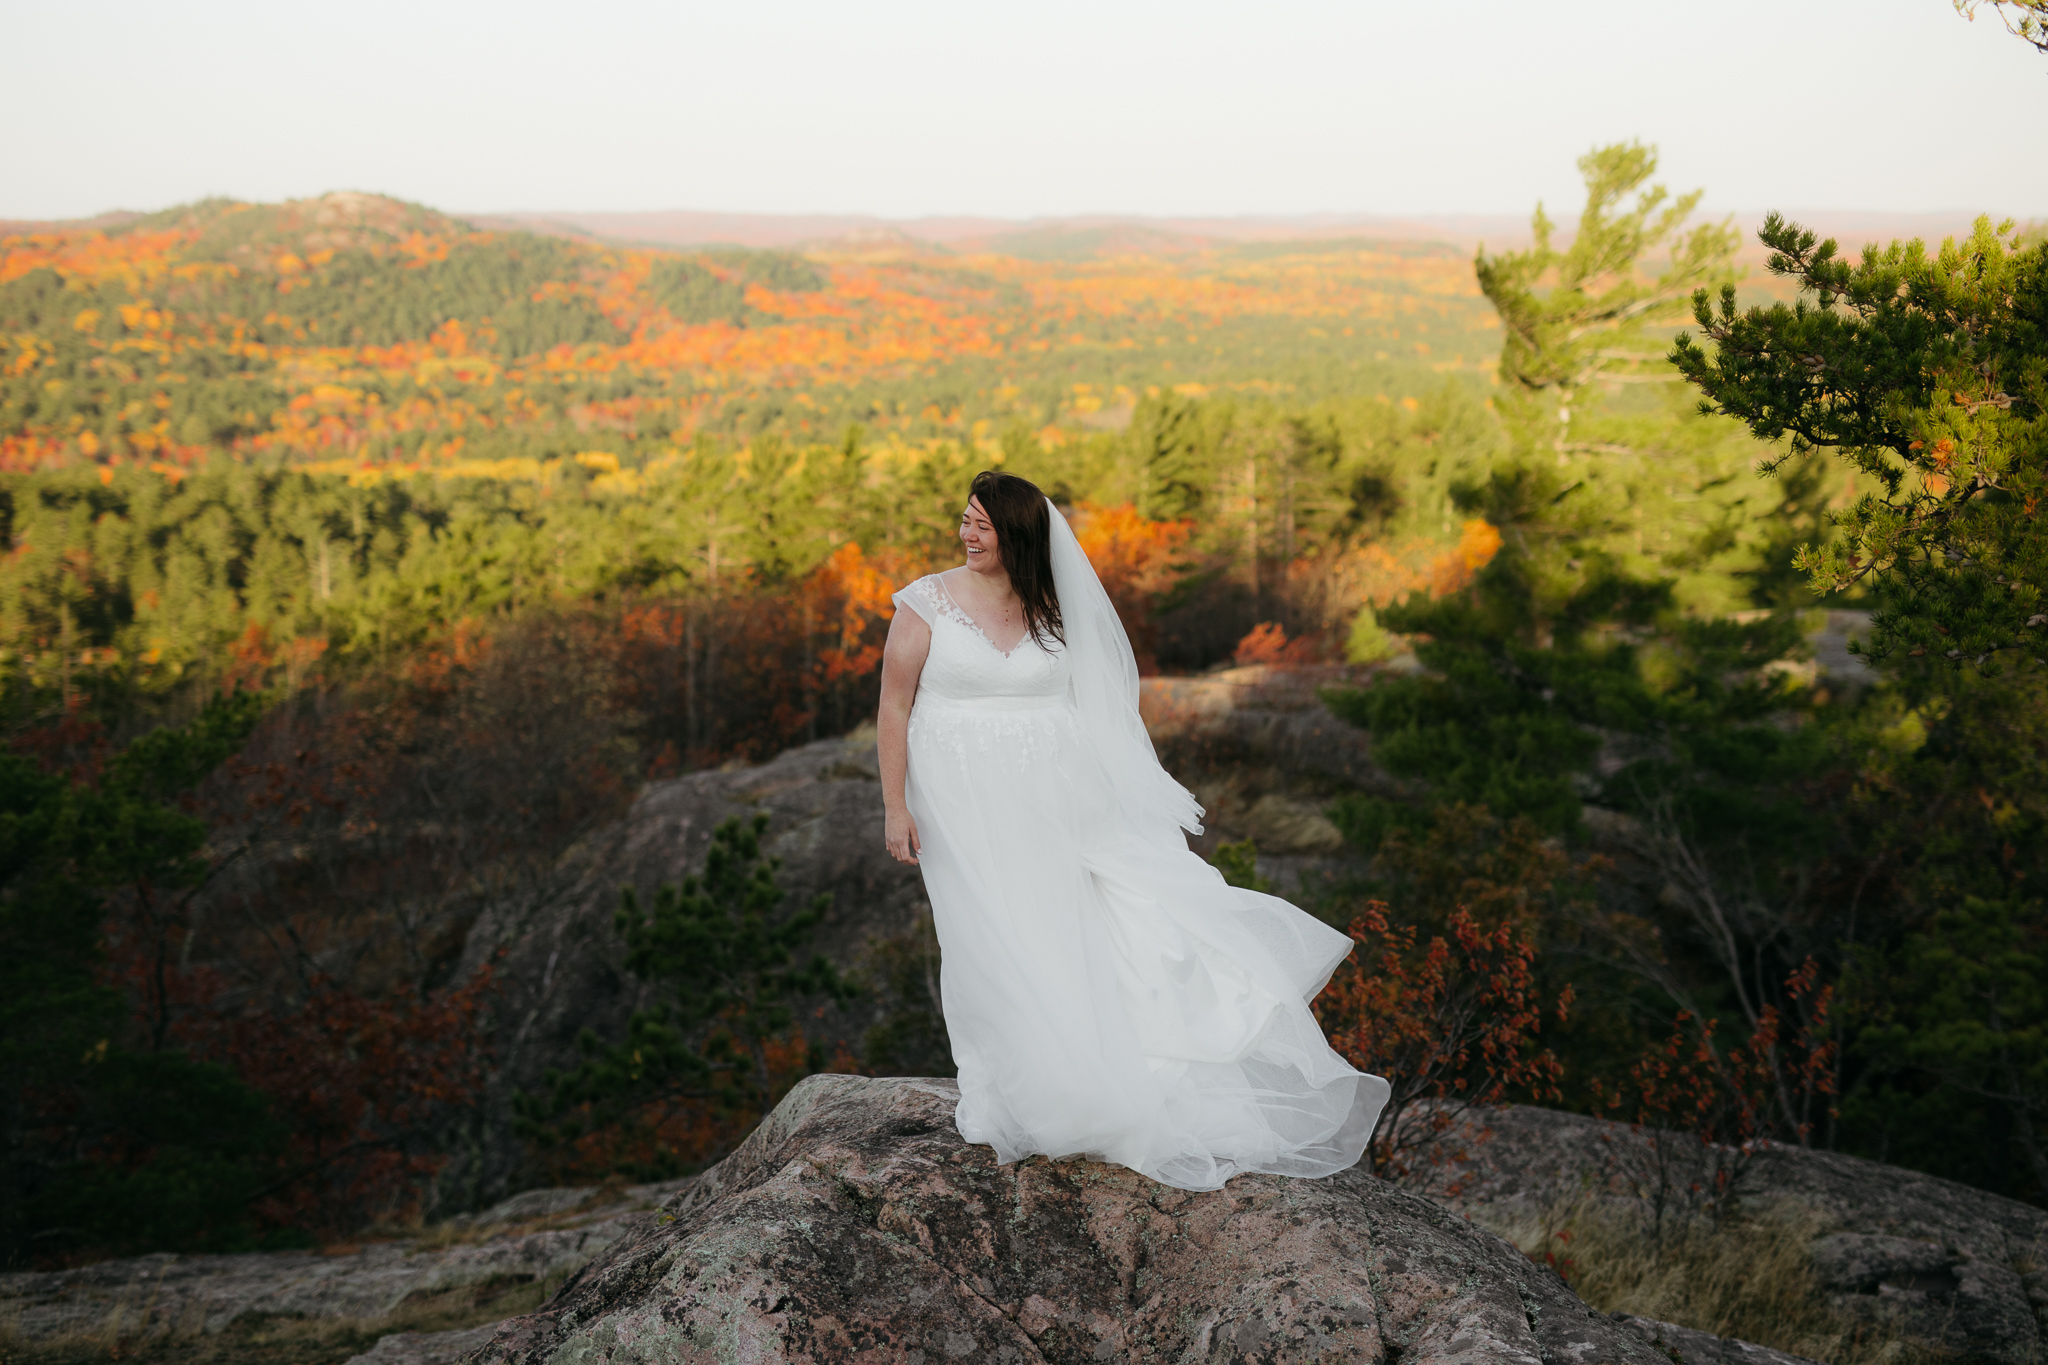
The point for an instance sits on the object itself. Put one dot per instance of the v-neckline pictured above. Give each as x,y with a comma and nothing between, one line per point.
976,626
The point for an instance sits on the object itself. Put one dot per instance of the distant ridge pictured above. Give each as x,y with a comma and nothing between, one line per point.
23,227
1140,234
690,228
1076,237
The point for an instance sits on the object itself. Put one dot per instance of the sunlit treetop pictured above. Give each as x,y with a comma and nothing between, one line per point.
1927,372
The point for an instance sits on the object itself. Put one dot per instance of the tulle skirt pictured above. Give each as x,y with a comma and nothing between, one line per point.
1108,995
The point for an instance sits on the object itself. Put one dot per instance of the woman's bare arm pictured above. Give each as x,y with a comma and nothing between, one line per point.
910,640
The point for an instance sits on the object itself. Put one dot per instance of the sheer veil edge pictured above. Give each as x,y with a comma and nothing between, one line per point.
1105,692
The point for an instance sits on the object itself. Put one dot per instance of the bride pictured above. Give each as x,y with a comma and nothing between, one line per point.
1108,995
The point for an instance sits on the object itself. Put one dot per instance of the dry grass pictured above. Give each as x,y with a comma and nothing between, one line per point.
1748,1277
260,1339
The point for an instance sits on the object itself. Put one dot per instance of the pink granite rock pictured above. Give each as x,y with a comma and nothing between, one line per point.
855,1226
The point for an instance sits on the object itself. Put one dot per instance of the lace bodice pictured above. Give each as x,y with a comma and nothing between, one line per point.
965,666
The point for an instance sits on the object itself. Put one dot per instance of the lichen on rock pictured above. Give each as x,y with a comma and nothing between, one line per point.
856,1225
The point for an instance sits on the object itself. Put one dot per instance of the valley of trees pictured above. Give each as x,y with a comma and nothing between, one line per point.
357,563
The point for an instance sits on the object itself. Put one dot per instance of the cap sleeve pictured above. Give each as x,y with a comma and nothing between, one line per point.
919,598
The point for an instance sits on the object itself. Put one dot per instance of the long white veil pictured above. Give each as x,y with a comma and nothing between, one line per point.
1105,691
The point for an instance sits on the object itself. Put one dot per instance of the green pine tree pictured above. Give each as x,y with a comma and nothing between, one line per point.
1928,375
726,969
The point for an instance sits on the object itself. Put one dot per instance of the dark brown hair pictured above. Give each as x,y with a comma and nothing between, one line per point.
1020,515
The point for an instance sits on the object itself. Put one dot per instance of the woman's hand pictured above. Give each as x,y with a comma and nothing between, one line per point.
901,835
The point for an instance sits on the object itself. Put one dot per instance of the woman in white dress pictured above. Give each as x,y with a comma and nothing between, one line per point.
1108,995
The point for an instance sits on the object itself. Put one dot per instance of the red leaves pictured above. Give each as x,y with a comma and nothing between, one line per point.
1761,1088
361,1082
1451,1024
1267,643
1702,1111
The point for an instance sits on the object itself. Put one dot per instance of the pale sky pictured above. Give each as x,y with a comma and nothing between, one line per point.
899,108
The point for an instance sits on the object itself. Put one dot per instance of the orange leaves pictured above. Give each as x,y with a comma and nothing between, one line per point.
420,249
848,595
1453,571
1130,552
747,670
1380,574
252,660
1452,1024
134,258
1137,559
450,338
1267,643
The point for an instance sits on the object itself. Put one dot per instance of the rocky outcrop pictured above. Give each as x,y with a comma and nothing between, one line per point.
1938,1292
1949,1266
1270,715
855,1225
540,1235
560,966
1690,1346
427,1348
560,963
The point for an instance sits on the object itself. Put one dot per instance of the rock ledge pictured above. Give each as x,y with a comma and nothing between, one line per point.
855,1225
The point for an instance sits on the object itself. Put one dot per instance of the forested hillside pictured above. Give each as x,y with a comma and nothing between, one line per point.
357,564
366,330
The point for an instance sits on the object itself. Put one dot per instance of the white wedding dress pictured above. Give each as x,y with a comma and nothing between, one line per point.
1108,995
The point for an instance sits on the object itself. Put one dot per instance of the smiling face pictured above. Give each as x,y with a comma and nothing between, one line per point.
978,535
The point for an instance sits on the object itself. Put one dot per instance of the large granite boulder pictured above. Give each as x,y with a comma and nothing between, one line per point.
539,1235
856,1225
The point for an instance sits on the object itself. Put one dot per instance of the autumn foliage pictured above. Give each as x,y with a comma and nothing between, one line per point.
394,334
1137,559
1452,1023
1701,1109
365,1085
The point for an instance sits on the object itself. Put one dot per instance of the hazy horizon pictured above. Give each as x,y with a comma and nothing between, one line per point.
688,227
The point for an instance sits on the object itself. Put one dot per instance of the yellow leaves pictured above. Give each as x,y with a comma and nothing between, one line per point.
87,320
602,461
623,482
504,471
29,356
